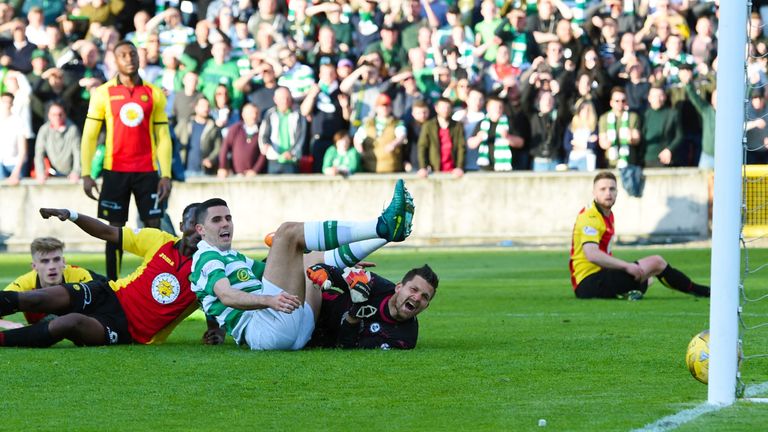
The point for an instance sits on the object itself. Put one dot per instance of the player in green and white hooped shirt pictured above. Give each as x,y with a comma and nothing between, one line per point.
268,307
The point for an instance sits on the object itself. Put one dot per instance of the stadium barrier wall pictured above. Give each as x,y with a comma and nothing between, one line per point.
522,208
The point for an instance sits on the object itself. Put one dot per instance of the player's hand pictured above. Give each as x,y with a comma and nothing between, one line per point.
89,185
636,271
163,189
357,279
284,302
62,214
214,336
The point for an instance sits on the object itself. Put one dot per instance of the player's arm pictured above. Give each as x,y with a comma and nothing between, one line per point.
92,226
242,300
88,141
596,256
163,143
214,335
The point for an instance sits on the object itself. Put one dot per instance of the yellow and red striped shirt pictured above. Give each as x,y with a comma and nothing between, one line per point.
590,227
137,136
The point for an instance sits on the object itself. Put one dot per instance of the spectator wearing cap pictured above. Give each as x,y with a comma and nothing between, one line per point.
325,113
392,53
441,145
282,135
661,129
220,70
325,51
58,141
380,139
295,76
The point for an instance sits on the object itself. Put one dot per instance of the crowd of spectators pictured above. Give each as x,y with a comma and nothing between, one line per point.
338,87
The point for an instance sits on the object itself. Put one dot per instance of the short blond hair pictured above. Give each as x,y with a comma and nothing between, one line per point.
45,245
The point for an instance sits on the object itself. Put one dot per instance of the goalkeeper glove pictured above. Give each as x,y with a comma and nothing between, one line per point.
324,279
357,279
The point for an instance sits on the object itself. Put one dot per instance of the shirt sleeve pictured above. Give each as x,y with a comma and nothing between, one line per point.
91,129
163,144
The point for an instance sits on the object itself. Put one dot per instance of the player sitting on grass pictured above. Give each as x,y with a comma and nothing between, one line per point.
49,268
267,306
363,310
143,307
596,273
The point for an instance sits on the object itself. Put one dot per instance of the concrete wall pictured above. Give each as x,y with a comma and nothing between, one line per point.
524,208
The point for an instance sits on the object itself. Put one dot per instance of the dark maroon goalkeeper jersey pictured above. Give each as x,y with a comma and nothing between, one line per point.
378,331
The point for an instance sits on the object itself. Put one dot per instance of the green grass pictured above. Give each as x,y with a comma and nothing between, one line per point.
504,344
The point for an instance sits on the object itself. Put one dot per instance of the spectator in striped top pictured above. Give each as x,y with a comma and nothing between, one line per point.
296,77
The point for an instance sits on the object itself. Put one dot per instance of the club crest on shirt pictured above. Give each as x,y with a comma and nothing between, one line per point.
588,230
375,327
243,275
131,114
165,288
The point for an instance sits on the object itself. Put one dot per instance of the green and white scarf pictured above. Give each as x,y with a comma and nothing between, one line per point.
579,11
502,153
519,48
618,135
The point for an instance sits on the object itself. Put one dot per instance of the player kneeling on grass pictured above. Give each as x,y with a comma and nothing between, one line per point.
363,310
596,273
143,307
267,306
49,268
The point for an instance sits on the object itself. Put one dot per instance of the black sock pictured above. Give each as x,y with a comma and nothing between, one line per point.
36,335
114,258
675,279
9,302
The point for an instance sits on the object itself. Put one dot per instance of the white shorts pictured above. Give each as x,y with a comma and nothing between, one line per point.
268,329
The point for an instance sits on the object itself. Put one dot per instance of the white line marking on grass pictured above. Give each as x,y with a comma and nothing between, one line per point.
669,423
676,420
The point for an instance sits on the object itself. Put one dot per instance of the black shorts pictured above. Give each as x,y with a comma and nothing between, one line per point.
609,283
115,196
97,300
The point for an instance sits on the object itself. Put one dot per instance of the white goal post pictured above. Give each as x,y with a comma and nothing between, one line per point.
726,217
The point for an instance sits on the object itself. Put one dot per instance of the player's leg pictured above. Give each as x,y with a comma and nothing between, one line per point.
611,284
144,186
671,277
82,330
113,206
285,263
55,299
351,254
394,224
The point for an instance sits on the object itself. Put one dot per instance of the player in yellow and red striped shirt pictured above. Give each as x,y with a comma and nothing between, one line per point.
138,148
595,272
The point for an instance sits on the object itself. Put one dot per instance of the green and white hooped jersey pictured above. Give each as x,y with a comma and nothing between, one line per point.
209,265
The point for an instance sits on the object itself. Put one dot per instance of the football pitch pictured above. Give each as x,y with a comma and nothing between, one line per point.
503,345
